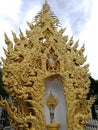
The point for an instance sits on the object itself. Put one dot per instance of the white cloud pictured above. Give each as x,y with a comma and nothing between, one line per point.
9,15
10,9
29,16
90,36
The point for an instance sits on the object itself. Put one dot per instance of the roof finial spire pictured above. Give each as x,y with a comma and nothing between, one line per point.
46,1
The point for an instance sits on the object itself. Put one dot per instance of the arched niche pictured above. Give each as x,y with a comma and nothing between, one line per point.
55,86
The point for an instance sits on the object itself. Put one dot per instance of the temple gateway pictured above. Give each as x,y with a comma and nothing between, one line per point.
46,76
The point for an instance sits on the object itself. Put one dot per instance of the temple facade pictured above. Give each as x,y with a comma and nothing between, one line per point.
40,61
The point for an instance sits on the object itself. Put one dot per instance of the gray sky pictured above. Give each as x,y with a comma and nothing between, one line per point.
79,16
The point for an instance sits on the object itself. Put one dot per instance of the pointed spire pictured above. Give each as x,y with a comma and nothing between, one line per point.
46,17
46,7
21,35
62,30
76,45
71,42
3,60
82,49
31,26
14,37
46,1
5,51
8,43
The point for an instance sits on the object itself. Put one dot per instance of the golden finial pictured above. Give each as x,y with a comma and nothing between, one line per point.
51,100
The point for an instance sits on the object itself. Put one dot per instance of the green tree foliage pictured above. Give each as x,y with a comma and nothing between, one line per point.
3,93
93,92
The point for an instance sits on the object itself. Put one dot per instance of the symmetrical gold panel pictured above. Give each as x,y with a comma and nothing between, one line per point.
44,52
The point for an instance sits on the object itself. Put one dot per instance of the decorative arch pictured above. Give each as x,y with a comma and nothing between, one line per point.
43,52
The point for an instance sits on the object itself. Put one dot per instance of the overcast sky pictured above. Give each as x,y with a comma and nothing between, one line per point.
79,16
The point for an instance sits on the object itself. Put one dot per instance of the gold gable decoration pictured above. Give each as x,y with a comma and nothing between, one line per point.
44,53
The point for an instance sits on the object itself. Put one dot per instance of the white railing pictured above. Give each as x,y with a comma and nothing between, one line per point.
0,111
92,125
8,128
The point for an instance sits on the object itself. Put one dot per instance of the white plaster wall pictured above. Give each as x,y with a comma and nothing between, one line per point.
57,89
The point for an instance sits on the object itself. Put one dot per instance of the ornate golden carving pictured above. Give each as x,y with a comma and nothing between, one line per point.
52,126
43,53
51,100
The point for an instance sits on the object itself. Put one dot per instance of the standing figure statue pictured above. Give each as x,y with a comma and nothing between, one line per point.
51,103
52,116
